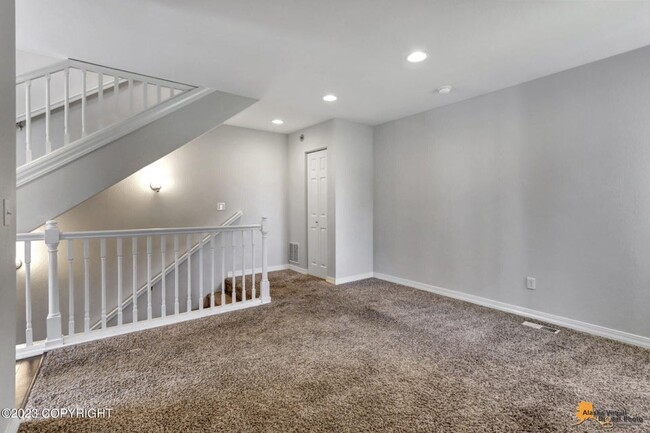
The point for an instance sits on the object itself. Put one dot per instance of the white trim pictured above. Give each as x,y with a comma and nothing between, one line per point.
41,347
65,155
13,425
259,270
330,280
94,68
352,278
600,331
297,269
41,72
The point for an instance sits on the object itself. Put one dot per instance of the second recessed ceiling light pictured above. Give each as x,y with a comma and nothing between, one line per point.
417,56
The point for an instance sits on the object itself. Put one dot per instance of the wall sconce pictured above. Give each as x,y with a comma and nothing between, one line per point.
19,263
155,185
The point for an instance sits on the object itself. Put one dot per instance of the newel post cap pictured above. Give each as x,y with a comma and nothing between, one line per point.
52,234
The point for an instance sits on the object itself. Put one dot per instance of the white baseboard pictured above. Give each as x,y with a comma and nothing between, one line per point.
13,425
353,278
600,331
332,280
298,269
350,279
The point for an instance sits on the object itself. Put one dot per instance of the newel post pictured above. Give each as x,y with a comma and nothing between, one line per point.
52,237
265,286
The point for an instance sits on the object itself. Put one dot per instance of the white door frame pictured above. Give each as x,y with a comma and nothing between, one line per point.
311,269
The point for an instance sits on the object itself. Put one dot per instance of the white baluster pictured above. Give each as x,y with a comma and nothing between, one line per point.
70,287
212,296
171,92
28,120
176,303
189,272
149,311
100,100
243,268
48,104
29,333
52,236
163,283
134,296
84,85
265,286
116,95
201,271
234,279
86,285
253,292
120,318
66,106
130,96
102,255
158,94
222,240
145,94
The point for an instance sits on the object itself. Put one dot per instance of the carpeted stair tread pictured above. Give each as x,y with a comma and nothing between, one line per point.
238,291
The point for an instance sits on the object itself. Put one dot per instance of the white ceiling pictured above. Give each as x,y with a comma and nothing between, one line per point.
289,53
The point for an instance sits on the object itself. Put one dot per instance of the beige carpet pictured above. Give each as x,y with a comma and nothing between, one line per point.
363,357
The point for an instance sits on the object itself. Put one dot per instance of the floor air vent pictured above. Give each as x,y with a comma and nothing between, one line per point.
542,327
293,252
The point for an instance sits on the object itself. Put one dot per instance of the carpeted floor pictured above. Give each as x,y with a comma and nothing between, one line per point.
362,357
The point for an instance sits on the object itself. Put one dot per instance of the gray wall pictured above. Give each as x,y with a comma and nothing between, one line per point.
354,199
549,179
245,168
350,175
7,191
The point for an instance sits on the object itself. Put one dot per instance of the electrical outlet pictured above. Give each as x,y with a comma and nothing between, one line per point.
530,283
221,206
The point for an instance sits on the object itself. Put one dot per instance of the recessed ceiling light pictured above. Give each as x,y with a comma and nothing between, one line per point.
417,56
443,90
277,121
330,98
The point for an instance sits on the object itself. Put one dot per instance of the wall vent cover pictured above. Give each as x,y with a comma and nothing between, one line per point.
541,327
293,252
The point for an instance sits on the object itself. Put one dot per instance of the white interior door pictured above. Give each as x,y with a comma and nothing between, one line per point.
317,213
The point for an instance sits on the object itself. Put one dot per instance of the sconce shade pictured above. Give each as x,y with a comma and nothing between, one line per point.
155,185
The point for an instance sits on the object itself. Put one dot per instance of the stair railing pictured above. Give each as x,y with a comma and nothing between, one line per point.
180,239
69,83
186,257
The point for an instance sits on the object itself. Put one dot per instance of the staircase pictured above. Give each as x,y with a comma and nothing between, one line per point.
80,129
75,117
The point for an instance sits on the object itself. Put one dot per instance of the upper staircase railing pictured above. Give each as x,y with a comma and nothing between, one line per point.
73,105
203,277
